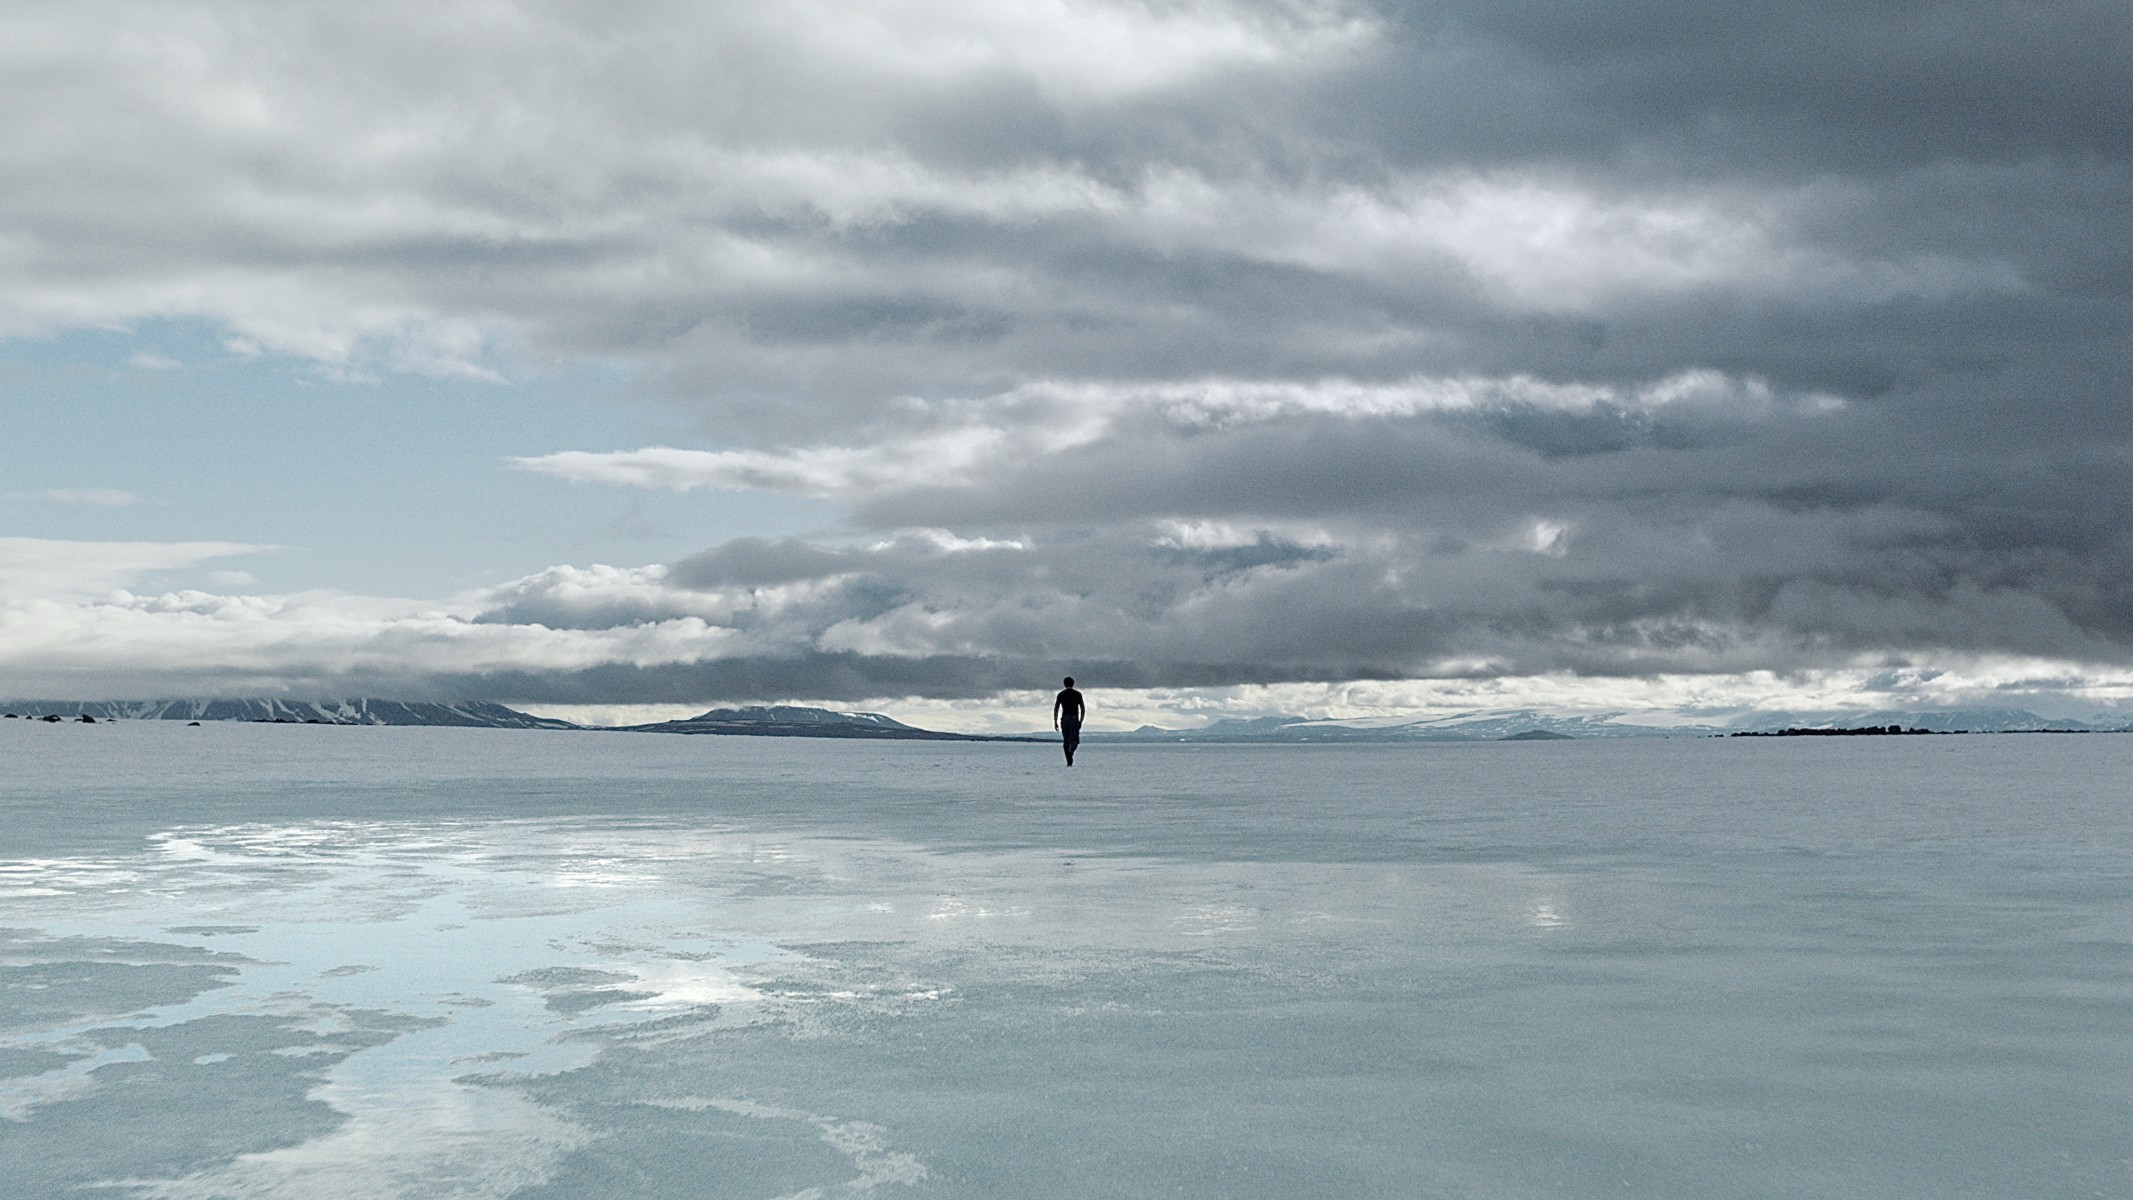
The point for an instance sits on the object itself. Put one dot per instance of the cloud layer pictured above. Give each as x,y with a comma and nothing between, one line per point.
1213,344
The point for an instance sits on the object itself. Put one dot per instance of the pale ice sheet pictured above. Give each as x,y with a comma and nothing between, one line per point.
246,962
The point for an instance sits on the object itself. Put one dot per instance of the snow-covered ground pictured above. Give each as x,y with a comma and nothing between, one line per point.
276,961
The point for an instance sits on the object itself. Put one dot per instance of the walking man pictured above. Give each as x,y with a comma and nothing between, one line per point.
1066,718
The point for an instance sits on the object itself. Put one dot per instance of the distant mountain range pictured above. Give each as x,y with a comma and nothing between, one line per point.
1521,724
295,712
757,721
793,721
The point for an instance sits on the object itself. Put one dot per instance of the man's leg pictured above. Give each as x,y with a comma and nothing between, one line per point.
1070,737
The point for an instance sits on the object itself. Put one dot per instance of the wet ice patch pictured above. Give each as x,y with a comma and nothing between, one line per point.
67,1078
427,1005
33,878
862,1142
572,990
507,952
463,1143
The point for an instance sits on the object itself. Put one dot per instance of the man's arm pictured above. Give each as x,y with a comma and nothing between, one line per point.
1057,701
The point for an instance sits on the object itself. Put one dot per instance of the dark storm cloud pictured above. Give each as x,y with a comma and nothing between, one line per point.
1861,86
1666,582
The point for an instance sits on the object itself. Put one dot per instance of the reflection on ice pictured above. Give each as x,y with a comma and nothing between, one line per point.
514,950
461,1142
68,1082
1237,985
517,950
860,1141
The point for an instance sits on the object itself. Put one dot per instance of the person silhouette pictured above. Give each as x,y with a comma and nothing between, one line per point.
1067,710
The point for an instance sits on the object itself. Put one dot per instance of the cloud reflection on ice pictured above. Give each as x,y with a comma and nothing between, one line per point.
511,951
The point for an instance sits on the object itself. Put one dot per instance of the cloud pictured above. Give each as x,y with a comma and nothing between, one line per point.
100,497
1175,626
857,202
193,642
1224,344
959,443
429,168
48,570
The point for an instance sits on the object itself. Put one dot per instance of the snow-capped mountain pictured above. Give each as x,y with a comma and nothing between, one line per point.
795,721
474,713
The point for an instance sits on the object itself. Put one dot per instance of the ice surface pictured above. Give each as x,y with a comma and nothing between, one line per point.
246,961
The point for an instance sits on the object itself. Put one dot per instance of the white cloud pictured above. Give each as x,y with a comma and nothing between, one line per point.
806,471
954,443
1555,245
566,597
1076,51
199,640
48,570
100,497
947,542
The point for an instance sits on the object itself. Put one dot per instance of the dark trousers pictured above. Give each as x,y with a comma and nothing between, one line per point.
1070,736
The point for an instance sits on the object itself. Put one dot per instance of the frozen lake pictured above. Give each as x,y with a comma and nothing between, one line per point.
275,961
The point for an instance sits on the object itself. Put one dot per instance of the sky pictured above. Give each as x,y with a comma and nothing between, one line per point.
1235,356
